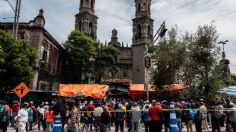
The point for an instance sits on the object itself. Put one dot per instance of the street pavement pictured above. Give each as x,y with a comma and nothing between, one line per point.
141,129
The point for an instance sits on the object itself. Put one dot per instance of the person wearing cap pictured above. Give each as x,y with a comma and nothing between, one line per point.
119,115
22,118
146,116
135,117
156,121
203,112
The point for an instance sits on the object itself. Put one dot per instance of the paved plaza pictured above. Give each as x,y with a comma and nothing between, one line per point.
141,129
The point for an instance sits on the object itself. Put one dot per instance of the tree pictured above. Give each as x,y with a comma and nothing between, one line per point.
169,57
16,61
80,50
190,59
106,57
203,56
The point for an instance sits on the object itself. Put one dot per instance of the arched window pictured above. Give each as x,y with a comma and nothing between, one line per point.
80,25
92,4
139,7
139,31
149,11
144,7
149,31
90,28
81,3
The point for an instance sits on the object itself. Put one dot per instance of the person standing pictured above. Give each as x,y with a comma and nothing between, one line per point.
198,119
135,117
97,115
155,112
119,115
41,119
232,116
74,114
146,116
203,112
30,118
105,119
14,110
49,117
3,117
22,118
178,109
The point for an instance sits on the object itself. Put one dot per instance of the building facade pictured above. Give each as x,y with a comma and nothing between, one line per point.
130,60
49,53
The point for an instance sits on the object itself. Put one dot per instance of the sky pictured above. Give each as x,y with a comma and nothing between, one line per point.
186,14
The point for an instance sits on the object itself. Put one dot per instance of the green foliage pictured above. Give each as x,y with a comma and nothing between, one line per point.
106,56
85,57
80,49
190,59
169,57
16,61
232,80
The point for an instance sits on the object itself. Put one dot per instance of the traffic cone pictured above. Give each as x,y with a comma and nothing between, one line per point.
173,121
57,126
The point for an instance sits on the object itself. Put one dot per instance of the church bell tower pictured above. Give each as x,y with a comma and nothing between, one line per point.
142,36
86,20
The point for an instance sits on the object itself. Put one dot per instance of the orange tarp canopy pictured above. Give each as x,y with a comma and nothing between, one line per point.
140,87
89,90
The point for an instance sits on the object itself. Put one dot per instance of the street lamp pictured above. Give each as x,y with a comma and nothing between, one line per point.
223,44
147,59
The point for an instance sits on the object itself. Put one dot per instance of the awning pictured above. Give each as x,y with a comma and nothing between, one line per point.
175,87
140,88
89,90
229,91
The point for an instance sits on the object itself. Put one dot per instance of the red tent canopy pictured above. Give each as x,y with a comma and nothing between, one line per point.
138,91
175,87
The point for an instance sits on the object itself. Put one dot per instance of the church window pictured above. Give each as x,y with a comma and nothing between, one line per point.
149,9
81,3
80,25
139,31
144,7
90,28
139,7
149,31
92,4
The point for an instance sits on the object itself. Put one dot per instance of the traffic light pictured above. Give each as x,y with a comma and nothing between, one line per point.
147,61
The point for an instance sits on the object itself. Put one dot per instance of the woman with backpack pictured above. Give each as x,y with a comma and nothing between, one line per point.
189,115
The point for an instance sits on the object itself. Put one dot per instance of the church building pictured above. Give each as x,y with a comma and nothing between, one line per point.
130,60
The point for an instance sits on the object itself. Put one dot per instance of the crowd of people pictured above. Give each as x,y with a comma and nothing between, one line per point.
100,116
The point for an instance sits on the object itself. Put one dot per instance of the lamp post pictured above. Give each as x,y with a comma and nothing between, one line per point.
149,49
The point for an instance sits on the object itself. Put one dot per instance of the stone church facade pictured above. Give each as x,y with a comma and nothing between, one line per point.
49,52
130,60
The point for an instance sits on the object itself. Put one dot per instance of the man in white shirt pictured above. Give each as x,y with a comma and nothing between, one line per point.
22,118
97,115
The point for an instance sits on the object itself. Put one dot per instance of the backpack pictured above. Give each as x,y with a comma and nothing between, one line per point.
2,113
191,114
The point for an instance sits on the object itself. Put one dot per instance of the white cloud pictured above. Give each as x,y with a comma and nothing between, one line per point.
187,14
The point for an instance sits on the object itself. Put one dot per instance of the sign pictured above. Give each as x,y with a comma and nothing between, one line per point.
147,61
21,90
